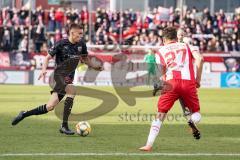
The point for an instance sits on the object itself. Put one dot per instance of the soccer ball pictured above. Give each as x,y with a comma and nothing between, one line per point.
83,128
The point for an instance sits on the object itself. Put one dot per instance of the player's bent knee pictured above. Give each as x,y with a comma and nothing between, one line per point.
71,91
50,107
74,92
196,117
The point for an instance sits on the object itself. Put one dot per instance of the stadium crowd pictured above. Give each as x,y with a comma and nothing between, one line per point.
212,33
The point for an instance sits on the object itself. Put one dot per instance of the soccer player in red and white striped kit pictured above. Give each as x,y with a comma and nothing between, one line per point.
178,72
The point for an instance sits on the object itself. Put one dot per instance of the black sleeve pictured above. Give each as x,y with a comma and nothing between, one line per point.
54,49
84,50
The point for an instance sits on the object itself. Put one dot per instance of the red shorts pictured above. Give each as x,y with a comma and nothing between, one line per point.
179,89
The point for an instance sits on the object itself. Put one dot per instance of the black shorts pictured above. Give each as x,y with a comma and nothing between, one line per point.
60,83
63,75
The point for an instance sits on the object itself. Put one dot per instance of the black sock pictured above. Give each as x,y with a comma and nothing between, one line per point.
67,111
36,111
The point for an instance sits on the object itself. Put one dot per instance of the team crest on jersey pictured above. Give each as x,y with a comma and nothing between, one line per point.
80,48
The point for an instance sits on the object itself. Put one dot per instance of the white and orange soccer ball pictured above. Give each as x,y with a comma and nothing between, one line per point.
83,128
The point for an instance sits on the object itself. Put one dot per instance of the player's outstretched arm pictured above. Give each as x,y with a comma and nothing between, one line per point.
87,61
199,63
44,68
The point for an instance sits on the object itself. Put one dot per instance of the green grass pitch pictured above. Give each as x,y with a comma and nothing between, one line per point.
119,133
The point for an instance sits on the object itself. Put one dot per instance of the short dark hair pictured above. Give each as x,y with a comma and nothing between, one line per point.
170,33
75,26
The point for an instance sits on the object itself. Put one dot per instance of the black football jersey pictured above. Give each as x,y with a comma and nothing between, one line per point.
67,56
64,50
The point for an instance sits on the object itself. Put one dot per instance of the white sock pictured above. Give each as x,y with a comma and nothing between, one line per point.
154,130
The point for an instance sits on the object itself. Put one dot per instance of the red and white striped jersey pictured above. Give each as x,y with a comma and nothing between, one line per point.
177,60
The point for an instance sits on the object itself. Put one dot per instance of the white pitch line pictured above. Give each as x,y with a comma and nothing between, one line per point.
121,154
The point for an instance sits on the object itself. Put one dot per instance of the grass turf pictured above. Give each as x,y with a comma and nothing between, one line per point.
122,130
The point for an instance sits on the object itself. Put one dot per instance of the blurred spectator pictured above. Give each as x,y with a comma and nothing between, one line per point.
51,20
50,40
59,17
44,49
23,46
84,15
232,65
23,14
39,37
19,60
16,37
6,40
217,32
58,35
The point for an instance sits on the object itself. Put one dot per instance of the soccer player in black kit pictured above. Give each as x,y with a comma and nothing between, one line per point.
67,53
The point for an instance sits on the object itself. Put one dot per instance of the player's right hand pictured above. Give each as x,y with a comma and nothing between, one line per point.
198,84
42,74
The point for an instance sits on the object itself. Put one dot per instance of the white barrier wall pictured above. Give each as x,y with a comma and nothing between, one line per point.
14,77
211,80
104,78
